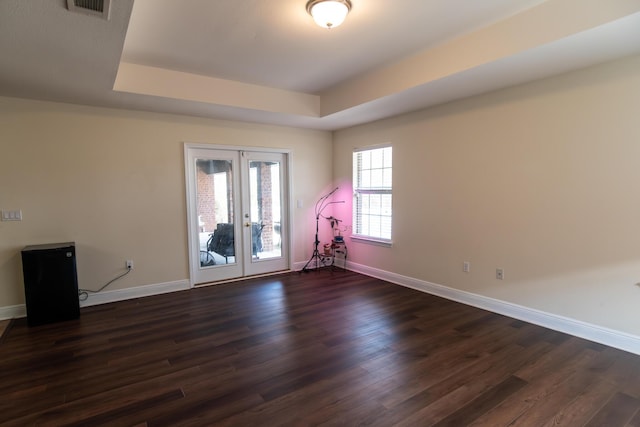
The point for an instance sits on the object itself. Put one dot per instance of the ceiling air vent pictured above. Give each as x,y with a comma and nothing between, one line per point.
99,8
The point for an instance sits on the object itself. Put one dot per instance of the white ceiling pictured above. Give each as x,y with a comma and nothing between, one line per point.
275,43
265,60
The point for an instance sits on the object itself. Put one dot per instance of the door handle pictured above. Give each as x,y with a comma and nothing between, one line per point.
247,224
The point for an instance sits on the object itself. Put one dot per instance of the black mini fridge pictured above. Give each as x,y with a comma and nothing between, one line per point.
50,283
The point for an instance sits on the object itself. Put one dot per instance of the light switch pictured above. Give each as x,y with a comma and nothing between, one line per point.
12,215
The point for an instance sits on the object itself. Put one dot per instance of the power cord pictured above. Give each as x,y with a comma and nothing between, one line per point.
83,294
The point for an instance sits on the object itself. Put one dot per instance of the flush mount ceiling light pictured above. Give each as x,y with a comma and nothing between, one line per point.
328,13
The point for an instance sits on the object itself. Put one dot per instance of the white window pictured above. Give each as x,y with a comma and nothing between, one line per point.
372,187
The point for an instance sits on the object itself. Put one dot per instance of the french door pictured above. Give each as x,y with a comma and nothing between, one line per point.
237,207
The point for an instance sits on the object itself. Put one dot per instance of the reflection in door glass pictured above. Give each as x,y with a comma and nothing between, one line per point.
214,182
264,189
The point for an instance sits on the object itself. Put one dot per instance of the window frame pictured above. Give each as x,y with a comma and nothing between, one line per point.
358,191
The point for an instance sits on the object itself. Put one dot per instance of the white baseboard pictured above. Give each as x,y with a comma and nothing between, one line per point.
15,311
599,334
137,292
297,266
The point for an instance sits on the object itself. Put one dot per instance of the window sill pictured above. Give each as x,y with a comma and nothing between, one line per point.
372,241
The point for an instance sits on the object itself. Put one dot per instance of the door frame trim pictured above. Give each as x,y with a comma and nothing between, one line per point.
236,148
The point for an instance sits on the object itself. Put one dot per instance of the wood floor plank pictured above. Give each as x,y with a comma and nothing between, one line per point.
452,392
581,409
635,420
94,405
482,403
546,395
324,348
293,408
616,412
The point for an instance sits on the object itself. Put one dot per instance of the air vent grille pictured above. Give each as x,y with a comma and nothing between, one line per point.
95,5
98,8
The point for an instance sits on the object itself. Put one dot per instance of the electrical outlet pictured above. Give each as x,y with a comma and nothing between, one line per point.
466,266
130,264
499,274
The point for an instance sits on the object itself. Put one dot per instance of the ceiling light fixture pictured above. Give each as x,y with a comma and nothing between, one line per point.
328,13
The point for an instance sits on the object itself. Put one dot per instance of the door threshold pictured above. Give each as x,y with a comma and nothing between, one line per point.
240,279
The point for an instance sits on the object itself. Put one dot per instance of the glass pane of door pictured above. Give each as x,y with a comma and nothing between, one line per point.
266,209
215,211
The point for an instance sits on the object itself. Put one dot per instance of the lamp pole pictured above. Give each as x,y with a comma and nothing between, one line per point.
321,205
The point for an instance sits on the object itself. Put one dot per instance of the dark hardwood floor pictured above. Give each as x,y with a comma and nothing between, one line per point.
324,348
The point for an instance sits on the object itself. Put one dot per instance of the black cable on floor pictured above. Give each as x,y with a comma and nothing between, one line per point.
83,294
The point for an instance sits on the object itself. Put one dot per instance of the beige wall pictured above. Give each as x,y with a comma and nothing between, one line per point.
542,180
113,182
